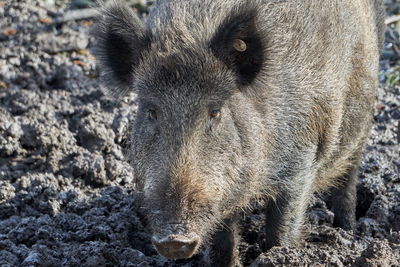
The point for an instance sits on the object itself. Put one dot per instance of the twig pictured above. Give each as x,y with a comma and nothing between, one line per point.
392,19
87,13
78,14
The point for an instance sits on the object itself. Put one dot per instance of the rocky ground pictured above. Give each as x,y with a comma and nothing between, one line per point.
67,196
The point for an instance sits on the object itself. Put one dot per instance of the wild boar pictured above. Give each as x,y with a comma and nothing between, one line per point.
241,102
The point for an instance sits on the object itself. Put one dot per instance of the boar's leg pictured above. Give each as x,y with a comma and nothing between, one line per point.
284,220
223,250
342,199
273,217
285,215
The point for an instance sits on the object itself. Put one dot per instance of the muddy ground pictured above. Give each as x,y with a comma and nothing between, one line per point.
67,196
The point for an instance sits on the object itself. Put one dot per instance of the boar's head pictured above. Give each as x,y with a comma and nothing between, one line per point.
198,139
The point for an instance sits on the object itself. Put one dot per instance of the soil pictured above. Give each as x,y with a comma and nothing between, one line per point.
68,196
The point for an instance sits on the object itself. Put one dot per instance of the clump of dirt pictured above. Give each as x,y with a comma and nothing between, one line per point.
67,194
327,246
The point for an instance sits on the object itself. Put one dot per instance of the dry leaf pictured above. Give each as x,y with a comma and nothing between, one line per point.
10,32
88,23
79,63
84,52
3,85
46,20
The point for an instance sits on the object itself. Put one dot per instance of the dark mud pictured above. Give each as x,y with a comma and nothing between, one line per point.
67,196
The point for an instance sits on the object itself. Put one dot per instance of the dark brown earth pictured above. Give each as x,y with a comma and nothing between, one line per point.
67,196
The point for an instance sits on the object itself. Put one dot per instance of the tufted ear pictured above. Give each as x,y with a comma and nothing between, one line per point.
239,44
120,40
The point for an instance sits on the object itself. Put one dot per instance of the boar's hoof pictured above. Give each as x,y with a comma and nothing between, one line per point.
176,246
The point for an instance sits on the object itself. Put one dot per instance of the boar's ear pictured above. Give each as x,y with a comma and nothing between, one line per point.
121,39
239,44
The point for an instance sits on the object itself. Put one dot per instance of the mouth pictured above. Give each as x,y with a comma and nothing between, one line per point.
177,246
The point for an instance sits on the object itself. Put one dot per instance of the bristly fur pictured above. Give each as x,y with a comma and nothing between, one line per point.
218,129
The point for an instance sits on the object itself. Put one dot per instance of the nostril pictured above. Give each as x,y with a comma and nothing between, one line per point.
176,246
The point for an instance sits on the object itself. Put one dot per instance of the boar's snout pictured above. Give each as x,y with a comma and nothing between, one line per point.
176,246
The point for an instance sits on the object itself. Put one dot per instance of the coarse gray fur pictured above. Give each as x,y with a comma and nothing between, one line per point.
218,129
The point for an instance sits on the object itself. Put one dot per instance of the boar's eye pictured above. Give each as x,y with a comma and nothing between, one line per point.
152,115
215,114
